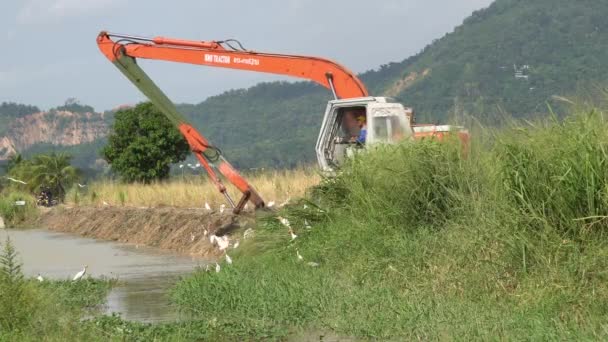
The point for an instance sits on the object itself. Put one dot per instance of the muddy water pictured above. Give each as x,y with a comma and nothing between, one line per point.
144,274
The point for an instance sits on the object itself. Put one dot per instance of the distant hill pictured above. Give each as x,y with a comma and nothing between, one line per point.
512,57
72,127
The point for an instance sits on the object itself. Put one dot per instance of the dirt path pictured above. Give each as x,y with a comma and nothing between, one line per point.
179,230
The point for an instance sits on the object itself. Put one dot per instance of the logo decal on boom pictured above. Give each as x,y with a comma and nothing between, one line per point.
209,58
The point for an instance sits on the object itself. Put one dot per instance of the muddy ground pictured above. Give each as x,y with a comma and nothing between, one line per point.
179,230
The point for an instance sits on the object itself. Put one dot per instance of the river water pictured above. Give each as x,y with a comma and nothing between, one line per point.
144,274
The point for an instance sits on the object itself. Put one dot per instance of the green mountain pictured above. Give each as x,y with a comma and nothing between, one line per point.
513,57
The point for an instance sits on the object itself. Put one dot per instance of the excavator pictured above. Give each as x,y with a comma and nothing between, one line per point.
382,120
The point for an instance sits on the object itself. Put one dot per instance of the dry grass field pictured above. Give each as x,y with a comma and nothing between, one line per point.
193,192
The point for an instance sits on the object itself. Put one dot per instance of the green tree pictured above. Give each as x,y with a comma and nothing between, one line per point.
143,144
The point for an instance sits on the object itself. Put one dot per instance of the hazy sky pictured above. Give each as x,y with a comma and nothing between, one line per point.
48,51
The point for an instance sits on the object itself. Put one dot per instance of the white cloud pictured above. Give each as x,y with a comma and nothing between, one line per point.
37,11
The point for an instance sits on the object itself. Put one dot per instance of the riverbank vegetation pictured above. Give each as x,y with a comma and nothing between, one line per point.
31,310
419,242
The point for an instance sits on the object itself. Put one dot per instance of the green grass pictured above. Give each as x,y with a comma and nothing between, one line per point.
418,242
426,241
13,214
49,310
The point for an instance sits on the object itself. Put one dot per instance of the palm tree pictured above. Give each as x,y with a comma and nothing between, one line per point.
53,171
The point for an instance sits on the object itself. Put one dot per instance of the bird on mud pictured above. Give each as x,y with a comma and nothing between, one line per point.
228,259
39,278
221,241
207,206
218,268
80,274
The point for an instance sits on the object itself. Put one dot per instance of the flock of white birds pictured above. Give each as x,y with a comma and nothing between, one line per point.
223,242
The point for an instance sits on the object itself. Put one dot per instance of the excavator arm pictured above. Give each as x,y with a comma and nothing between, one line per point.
230,54
123,50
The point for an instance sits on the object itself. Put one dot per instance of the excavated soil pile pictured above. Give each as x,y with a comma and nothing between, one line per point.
185,231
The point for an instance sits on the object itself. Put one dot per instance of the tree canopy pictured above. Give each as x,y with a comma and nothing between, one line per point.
143,144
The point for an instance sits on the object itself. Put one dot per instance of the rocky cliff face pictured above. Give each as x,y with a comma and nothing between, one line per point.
61,128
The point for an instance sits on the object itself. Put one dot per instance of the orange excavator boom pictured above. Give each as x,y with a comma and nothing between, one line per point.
230,54
123,50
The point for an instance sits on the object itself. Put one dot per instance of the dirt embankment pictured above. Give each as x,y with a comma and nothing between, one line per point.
184,231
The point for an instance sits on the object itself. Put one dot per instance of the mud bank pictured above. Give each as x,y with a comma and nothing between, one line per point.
179,230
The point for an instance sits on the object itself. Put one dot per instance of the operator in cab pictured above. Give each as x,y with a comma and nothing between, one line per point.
354,124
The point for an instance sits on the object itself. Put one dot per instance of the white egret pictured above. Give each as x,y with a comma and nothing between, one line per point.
222,208
300,258
307,225
222,242
228,259
39,278
81,185
236,244
16,180
80,274
192,237
105,203
218,268
305,206
205,232
212,239
270,204
207,206
293,235
284,221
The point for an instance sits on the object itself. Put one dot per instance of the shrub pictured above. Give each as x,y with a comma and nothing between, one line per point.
14,214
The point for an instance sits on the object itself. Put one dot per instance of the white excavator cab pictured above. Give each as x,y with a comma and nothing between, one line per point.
352,125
